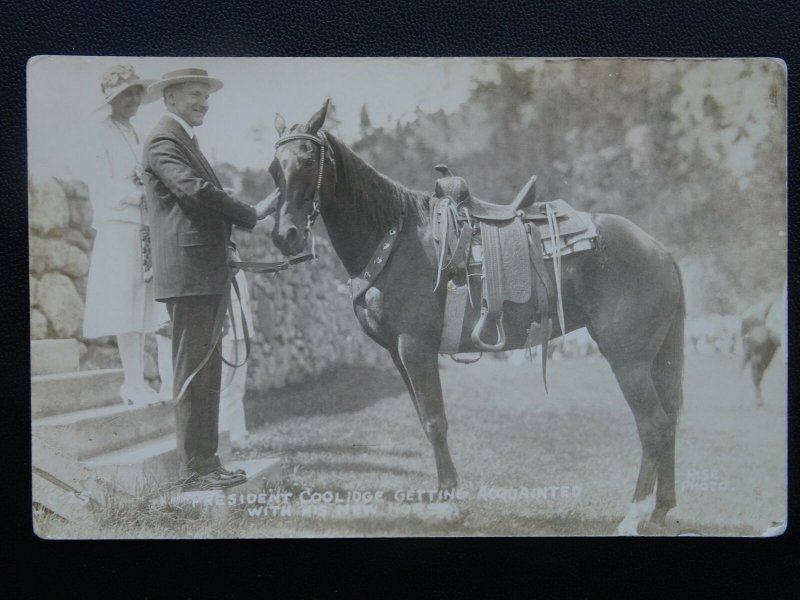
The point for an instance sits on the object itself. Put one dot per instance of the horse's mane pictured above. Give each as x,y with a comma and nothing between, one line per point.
371,193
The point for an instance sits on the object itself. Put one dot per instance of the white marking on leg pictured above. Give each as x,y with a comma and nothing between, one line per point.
637,512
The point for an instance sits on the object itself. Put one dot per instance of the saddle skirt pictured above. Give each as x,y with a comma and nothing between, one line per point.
507,259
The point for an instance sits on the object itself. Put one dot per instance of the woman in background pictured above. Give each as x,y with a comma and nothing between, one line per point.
119,296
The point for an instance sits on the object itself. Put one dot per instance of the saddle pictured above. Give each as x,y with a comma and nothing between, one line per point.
457,189
505,245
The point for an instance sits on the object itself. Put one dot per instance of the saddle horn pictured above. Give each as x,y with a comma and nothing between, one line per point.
444,170
527,195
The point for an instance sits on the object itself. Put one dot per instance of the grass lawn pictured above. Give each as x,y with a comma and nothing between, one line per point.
528,463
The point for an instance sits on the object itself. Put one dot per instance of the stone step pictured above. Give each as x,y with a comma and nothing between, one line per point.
51,494
148,466
67,472
61,393
261,473
87,433
54,356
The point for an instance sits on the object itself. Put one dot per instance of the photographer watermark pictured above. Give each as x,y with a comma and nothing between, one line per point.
704,480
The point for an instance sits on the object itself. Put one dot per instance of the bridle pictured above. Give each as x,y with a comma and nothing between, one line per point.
274,267
322,141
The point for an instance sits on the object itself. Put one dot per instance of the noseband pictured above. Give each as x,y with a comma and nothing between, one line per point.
322,141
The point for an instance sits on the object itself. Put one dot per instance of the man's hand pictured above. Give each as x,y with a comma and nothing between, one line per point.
233,256
268,205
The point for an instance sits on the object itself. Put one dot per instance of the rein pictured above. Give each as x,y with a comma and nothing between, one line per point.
260,267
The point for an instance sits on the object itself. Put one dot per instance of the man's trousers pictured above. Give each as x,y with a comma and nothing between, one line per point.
197,411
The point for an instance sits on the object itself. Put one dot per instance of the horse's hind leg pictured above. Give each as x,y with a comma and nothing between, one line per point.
422,366
653,425
665,492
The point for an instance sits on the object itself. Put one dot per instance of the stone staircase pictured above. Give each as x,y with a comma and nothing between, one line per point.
87,444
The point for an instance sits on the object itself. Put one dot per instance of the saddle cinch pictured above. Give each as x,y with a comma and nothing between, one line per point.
506,246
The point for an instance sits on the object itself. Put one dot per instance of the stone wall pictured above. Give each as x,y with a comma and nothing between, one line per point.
303,318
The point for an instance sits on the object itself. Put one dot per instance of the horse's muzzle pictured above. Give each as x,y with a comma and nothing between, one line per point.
291,242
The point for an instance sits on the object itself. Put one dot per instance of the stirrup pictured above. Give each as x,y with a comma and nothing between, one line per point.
465,361
479,327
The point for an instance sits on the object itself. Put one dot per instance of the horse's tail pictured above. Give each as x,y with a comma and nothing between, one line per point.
668,364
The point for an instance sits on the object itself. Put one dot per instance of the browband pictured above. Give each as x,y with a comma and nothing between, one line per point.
301,136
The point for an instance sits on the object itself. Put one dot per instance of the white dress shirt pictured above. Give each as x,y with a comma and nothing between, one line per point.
186,127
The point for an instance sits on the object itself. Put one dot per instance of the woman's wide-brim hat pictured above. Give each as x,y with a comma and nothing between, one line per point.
120,78
184,76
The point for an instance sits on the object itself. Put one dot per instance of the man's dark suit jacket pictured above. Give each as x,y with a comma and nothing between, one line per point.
190,215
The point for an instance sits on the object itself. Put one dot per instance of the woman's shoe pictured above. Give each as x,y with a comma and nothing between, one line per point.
138,395
165,394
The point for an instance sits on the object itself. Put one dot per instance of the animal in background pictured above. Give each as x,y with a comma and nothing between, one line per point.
759,342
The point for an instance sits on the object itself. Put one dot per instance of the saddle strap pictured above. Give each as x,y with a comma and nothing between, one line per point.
364,280
455,308
443,221
543,287
537,258
458,260
492,270
556,237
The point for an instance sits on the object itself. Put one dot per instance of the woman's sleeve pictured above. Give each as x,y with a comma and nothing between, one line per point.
113,190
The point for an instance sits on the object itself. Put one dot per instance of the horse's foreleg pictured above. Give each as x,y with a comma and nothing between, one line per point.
653,426
422,367
404,374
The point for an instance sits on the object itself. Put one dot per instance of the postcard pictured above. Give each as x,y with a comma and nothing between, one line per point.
407,297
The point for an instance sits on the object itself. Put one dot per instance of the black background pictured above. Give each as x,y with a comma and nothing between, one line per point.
577,567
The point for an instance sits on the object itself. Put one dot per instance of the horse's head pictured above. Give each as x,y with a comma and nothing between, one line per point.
303,170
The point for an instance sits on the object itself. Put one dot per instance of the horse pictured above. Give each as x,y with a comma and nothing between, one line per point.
761,338
628,294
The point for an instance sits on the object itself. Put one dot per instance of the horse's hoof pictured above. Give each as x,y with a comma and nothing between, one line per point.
659,517
448,482
627,528
448,491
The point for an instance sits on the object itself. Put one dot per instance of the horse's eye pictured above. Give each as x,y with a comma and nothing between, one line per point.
307,162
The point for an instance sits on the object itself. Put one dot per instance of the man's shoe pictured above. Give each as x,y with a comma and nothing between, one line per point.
223,471
212,481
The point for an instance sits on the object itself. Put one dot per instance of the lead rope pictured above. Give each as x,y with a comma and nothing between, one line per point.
556,236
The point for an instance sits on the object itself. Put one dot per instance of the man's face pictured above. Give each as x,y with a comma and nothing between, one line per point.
189,101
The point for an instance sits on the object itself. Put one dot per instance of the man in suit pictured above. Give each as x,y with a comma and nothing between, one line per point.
191,217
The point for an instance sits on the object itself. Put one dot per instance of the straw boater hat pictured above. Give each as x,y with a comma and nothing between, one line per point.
184,76
120,78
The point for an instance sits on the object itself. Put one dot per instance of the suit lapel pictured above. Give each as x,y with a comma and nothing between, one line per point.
191,145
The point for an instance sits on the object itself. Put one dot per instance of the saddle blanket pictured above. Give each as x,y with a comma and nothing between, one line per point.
582,238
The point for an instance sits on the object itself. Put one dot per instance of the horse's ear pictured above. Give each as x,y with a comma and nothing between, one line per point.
280,124
316,122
